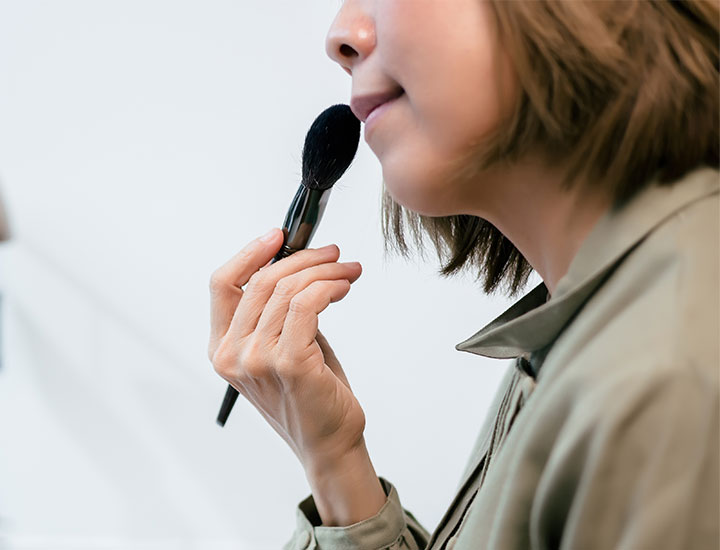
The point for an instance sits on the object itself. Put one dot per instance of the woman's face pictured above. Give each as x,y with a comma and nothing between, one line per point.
438,58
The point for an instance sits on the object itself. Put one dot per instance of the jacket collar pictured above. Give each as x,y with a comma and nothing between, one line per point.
534,322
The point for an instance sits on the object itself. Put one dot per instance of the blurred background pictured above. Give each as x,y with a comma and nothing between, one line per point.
143,143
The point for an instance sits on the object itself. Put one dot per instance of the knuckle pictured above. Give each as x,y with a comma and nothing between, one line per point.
224,360
286,286
243,259
212,346
286,364
217,281
300,303
246,253
253,363
257,281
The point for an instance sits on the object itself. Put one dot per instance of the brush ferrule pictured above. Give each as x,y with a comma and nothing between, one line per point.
285,251
302,219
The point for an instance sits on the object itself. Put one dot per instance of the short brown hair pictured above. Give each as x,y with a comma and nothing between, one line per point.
624,92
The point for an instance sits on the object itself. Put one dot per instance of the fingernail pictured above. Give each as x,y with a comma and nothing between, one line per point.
269,235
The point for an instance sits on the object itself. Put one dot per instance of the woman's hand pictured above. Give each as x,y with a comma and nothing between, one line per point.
265,342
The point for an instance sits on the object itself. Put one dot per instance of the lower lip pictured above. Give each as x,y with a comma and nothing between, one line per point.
377,112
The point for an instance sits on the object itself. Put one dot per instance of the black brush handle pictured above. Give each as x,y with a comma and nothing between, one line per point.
231,395
302,219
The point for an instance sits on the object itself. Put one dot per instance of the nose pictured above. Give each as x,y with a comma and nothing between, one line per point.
351,37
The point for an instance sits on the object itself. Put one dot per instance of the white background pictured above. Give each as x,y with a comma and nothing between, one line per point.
142,143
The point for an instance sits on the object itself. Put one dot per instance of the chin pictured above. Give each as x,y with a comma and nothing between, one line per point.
423,203
417,192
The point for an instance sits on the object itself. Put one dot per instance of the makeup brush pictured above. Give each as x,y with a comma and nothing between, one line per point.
330,146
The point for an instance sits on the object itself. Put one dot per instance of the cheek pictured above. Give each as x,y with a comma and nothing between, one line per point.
452,103
422,151
464,104
419,178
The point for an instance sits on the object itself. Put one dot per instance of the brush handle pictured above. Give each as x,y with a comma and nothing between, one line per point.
231,395
301,221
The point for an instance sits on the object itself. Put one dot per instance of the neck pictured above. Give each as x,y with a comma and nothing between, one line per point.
545,223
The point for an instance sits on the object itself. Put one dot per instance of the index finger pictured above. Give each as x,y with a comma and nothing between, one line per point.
226,282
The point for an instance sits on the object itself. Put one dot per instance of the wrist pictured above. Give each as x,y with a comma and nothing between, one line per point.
346,489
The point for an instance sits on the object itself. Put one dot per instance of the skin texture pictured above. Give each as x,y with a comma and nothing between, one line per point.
426,49
443,55
264,339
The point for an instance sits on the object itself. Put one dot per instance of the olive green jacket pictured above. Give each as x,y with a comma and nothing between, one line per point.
604,433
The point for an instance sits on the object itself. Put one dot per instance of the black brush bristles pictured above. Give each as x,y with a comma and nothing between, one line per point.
330,146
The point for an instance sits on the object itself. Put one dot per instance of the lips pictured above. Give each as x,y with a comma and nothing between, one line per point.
363,105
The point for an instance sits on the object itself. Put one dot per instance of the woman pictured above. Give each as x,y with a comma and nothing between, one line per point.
578,139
